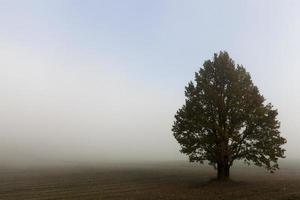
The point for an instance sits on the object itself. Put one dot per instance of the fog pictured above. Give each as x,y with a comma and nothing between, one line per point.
101,81
84,113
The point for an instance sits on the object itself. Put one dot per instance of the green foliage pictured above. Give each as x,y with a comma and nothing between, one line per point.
225,118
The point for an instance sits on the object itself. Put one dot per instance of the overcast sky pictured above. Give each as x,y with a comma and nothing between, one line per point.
102,80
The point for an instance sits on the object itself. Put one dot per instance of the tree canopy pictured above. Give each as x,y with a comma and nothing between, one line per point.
225,118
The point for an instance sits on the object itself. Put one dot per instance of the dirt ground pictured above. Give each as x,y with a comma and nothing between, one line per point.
169,180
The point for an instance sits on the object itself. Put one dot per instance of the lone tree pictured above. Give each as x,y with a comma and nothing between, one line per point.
225,118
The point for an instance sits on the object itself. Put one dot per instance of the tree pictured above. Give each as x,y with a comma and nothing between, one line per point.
225,118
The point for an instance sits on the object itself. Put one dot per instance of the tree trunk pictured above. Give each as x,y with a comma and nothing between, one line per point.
223,171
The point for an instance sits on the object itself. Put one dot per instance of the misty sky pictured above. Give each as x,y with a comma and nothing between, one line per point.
102,80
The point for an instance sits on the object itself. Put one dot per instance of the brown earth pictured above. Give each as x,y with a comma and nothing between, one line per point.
148,181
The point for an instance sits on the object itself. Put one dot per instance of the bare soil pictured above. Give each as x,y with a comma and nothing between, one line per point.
148,181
